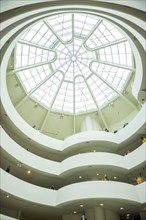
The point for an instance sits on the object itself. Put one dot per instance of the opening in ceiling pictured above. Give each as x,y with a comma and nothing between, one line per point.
73,62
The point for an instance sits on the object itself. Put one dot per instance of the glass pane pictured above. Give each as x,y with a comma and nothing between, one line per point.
73,62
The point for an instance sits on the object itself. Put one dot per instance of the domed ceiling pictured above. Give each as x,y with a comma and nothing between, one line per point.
73,63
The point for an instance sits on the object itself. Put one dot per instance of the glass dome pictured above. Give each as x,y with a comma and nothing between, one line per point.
73,62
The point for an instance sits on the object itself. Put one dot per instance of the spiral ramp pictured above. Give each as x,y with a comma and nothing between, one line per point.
74,162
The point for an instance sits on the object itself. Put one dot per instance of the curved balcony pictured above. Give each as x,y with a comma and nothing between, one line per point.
24,20
72,154
73,192
113,140
98,159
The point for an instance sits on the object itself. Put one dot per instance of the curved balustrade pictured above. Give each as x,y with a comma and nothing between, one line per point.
4,217
23,19
73,192
136,5
133,25
113,140
109,160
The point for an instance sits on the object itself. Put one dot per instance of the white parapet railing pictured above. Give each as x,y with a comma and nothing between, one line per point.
4,217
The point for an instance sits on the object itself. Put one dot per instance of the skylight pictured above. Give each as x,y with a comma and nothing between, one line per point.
73,63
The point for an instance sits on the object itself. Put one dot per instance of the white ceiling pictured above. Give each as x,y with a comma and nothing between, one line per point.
61,126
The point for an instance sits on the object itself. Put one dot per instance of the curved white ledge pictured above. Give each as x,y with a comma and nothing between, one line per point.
5,217
73,192
123,163
16,151
109,160
5,5
112,139
85,190
36,135
102,190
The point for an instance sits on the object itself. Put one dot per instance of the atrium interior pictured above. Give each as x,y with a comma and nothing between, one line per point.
73,103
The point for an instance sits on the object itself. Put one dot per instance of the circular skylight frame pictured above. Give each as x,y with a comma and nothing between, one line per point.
73,62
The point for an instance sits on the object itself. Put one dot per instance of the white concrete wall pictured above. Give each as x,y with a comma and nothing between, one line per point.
136,157
74,192
7,5
66,194
98,189
139,188
27,191
4,217
89,124
35,14
123,163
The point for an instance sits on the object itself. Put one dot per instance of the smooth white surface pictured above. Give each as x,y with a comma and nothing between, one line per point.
127,162
4,217
141,187
76,191
90,124
27,191
5,5
22,125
